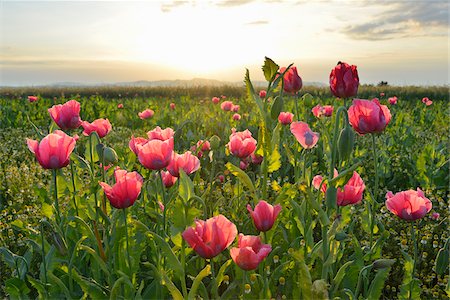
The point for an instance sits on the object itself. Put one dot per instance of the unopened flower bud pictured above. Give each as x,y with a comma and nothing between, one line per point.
383,263
346,142
215,142
110,156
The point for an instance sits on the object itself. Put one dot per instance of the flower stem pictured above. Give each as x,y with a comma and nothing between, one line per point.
43,255
183,255
163,196
72,171
413,238
126,237
375,195
91,154
55,194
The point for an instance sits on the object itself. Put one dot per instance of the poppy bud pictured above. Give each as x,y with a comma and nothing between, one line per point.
110,156
383,263
442,261
331,196
215,142
345,143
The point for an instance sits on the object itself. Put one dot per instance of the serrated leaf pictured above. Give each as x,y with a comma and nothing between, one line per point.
376,287
340,275
251,94
274,161
47,210
243,177
198,279
269,68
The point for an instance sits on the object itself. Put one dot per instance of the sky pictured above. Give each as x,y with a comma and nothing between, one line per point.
401,42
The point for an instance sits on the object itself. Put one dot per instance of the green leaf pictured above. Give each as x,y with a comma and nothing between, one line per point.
274,161
96,258
251,94
171,259
304,280
442,261
270,69
16,288
221,273
243,177
60,284
277,107
90,289
410,287
123,280
186,187
340,275
376,287
39,286
198,279
8,257
176,294
47,210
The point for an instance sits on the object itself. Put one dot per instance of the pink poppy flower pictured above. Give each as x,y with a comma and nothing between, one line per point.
304,135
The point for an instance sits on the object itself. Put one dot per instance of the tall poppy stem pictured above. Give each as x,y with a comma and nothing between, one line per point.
413,238
72,172
44,264
183,255
126,237
55,194
375,194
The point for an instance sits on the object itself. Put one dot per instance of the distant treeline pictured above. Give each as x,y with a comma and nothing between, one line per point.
435,93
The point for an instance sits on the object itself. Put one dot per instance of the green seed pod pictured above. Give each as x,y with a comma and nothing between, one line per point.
340,236
331,197
346,142
383,263
59,243
277,107
442,261
99,148
214,142
110,156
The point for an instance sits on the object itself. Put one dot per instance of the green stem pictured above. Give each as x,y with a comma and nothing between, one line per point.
297,117
93,176
72,170
44,264
55,194
325,249
215,291
358,286
163,197
183,256
413,238
126,237
375,194
104,180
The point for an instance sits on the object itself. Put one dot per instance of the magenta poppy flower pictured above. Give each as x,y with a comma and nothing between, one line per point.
155,154
160,134
285,118
304,135
101,126
125,191
264,215
209,238
292,82
53,151
367,116
408,205
250,252
226,105
146,114
242,144
188,162
67,115
344,80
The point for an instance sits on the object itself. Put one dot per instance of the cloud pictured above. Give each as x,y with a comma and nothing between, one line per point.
404,19
168,6
259,22
231,3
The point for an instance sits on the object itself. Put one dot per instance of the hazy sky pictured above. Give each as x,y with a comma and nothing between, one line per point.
402,42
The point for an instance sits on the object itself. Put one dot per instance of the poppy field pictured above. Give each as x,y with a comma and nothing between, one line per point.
274,192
